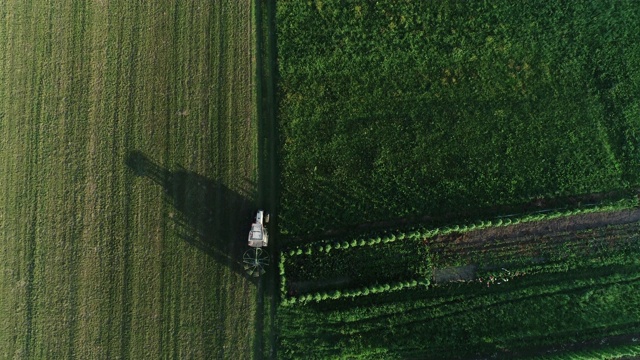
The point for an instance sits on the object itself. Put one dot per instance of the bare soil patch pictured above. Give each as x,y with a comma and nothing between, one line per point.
542,228
528,238
454,273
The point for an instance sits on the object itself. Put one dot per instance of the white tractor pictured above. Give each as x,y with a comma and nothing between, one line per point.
256,258
258,236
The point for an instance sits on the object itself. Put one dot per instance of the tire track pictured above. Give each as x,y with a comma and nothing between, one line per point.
127,178
32,197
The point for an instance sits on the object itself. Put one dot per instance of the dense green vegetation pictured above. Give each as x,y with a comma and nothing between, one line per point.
586,288
127,174
373,262
393,109
463,321
377,264
395,112
393,260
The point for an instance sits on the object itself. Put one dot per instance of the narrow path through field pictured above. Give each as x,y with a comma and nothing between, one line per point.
535,206
267,174
515,235
539,228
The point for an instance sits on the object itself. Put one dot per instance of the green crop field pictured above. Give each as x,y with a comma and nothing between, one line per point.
559,293
513,320
128,171
406,109
398,119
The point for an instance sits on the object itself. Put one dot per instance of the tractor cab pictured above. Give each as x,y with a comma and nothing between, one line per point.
258,236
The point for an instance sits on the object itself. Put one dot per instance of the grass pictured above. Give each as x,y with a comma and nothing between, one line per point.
417,109
129,166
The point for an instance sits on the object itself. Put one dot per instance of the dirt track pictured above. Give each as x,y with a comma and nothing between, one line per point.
521,234
570,223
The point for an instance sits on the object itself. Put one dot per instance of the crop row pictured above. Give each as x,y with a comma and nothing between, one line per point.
330,269
421,233
348,269
355,292
572,304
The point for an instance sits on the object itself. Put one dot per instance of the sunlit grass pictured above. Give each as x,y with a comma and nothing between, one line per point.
98,261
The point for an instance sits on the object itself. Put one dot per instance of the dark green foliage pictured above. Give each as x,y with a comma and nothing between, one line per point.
395,109
601,352
582,301
585,288
382,259
411,109
377,266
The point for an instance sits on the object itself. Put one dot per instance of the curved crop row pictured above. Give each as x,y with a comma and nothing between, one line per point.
351,293
420,233
330,255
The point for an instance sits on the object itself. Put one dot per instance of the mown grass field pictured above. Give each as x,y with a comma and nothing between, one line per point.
402,110
128,170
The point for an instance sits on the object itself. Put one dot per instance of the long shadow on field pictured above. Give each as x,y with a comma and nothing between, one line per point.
205,213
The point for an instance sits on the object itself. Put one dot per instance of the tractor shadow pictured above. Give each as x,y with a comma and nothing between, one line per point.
204,213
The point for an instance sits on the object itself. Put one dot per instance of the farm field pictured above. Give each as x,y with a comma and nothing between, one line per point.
512,320
415,133
408,110
393,260
554,293
129,171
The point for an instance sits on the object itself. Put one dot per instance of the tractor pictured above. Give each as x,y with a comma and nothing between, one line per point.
256,258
